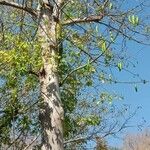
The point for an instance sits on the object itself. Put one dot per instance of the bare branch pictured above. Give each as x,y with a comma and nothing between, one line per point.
27,147
84,20
122,33
78,139
15,5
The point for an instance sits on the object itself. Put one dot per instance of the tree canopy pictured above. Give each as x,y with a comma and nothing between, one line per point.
74,47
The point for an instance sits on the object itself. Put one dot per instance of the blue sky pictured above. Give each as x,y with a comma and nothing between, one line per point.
131,97
141,54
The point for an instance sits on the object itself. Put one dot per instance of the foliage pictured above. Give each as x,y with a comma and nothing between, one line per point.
90,55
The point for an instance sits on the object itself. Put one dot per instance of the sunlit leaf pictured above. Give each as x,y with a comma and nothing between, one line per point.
119,65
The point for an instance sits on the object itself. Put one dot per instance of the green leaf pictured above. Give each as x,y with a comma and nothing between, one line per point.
89,82
92,120
112,37
119,65
96,29
102,44
134,20
110,6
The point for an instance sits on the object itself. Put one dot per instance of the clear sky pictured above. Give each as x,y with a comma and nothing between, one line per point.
141,54
142,96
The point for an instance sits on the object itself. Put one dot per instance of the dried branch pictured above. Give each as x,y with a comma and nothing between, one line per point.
15,5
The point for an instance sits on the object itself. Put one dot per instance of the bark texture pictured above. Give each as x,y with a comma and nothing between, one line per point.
51,111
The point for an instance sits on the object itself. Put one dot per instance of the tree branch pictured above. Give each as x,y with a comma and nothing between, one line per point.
122,33
80,139
70,40
27,147
33,73
78,68
93,18
15,5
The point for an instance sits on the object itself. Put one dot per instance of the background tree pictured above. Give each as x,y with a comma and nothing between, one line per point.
114,148
137,141
67,47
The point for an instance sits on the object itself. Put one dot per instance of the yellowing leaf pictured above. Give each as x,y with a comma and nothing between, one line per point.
134,20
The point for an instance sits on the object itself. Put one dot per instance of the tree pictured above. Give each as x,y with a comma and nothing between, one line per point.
138,141
114,148
100,144
67,47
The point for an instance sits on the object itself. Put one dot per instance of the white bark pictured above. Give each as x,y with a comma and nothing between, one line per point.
51,112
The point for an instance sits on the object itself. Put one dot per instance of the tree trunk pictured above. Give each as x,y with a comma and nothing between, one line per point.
51,111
